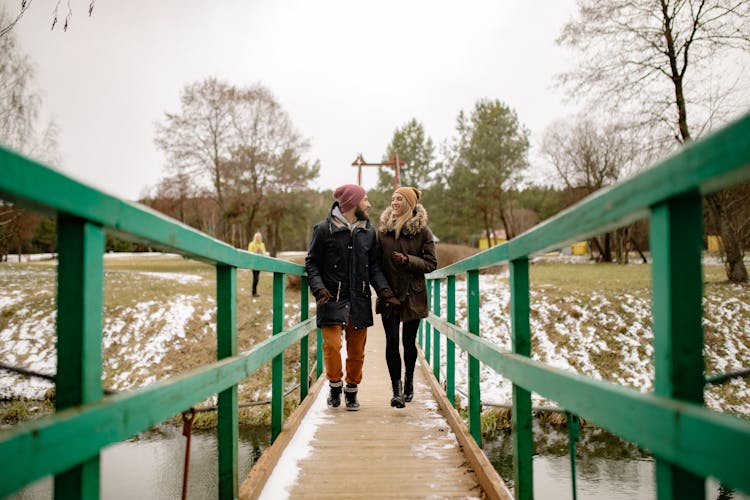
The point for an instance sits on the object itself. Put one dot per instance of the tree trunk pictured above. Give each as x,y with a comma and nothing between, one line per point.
638,249
607,255
733,255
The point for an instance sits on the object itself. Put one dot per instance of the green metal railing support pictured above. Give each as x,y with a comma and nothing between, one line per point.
277,365
420,334
475,404
436,333
523,441
574,435
427,329
676,245
304,343
450,346
80,303
228,420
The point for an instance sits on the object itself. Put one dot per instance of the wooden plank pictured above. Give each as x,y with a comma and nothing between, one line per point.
492,484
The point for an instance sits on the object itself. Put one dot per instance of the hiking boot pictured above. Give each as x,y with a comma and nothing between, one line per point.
409,389
397,401
350,394
334,397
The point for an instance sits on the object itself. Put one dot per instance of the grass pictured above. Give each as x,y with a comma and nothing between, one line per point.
142,287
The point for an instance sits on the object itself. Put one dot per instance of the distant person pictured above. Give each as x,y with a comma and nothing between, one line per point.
341,264
407,252
256,246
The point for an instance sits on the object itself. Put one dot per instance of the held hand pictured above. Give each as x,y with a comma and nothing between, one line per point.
399,258
389,300
322,296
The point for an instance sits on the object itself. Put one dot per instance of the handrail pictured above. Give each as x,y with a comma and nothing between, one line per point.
689,441
68,443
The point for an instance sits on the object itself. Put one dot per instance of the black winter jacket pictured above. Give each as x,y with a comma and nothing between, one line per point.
345,262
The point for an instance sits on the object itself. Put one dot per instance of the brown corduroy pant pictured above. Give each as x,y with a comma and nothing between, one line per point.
355,352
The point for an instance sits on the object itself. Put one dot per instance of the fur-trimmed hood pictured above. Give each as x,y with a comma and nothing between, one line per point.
411,227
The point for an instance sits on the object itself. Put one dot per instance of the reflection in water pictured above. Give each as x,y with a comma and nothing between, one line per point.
150,465
606,466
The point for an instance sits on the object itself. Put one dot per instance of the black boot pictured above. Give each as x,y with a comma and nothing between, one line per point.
350,394
334,397
409,388
397,401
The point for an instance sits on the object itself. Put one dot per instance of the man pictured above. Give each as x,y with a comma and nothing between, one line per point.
341,264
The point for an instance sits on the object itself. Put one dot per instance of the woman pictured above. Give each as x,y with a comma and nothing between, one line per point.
407,253
256,246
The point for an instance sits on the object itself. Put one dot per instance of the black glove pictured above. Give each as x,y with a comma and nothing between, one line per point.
389,300
322,296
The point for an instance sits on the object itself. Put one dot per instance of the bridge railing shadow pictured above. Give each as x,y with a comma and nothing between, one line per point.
689,441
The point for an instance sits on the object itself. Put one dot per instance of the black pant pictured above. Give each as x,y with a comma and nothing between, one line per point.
409,338
256,274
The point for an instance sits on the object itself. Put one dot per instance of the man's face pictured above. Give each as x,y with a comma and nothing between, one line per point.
362,208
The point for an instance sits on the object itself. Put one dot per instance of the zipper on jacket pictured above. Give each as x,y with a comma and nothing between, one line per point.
338,292
363,287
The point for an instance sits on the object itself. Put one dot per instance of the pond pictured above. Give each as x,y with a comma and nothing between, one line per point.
150,466
606,466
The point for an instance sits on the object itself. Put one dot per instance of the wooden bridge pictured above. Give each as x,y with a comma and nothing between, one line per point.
421,451
689,441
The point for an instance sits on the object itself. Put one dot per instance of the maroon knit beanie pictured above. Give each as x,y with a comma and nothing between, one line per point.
348,196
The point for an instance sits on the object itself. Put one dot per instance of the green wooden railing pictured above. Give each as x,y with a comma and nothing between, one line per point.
68,443
689,441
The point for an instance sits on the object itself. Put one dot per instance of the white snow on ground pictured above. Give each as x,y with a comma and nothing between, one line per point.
634,340
627,322
285,473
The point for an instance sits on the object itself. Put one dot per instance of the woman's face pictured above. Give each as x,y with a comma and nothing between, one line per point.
399,204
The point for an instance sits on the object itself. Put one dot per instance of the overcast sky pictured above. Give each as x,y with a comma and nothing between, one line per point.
347,72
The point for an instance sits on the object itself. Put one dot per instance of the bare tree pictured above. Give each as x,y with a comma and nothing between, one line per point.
20,130
587,158
232,140
199,139
9,21
666,64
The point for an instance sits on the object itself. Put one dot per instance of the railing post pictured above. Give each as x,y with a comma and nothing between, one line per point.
277,366
475,403
427,336
523,443
80,299
676,245
450,347
436,333
420,335
228,419
304,343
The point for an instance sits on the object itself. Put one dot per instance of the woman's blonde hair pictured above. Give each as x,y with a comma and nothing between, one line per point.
400,220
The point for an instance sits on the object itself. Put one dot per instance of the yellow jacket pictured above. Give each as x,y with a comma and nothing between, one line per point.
257,247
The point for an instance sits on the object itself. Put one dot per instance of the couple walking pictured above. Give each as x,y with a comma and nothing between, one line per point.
346,256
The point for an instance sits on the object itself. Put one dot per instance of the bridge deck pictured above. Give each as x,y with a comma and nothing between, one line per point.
378,451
